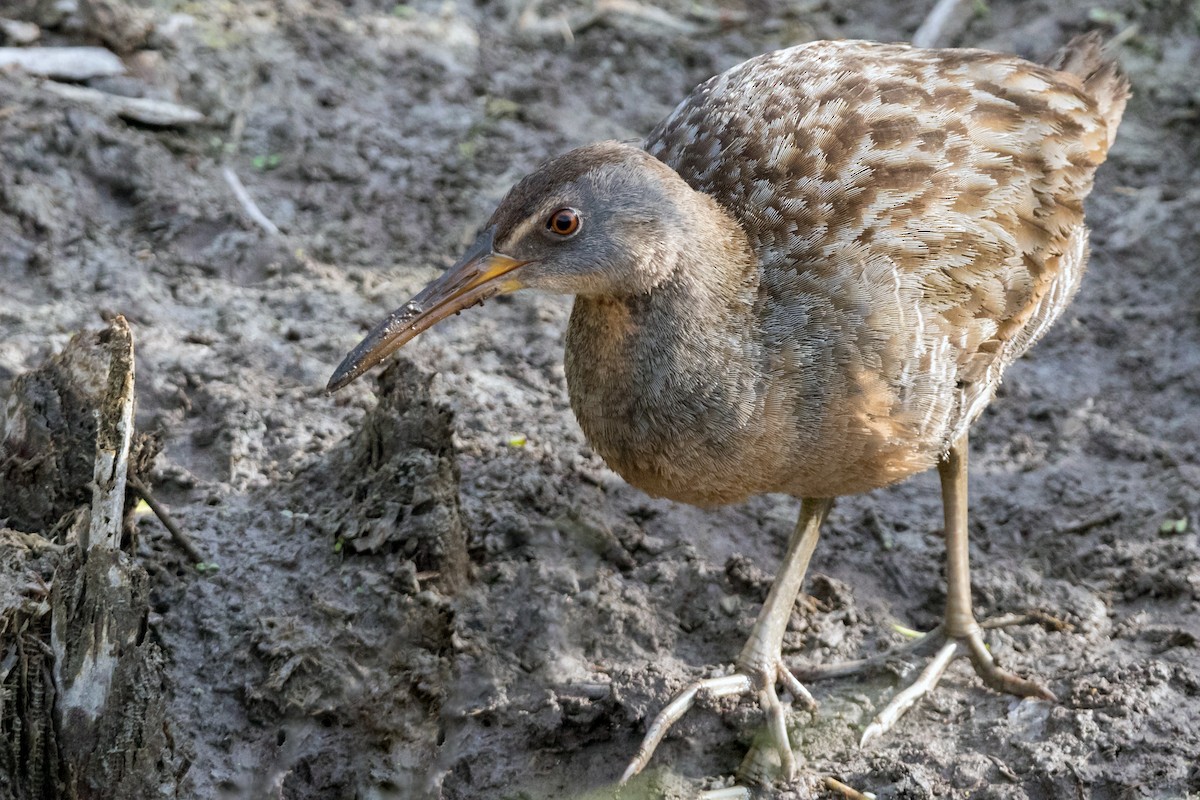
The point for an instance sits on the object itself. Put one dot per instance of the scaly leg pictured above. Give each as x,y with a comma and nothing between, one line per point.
960,633
760,665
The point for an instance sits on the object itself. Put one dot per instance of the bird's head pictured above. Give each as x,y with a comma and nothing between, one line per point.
603,219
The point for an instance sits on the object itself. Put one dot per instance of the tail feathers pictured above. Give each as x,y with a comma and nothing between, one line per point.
1086,58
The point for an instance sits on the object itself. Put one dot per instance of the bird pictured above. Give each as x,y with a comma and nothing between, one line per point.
808,279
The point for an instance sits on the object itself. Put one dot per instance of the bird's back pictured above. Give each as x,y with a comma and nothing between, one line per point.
918,216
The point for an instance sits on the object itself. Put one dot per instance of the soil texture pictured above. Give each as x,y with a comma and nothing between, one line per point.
428,585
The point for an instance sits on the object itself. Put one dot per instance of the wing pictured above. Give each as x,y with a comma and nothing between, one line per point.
932,195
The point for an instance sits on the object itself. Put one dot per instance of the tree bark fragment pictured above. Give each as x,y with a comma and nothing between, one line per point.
82,686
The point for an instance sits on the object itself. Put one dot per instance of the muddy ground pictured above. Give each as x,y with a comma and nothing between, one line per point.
450,595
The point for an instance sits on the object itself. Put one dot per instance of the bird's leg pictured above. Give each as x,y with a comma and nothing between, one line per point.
760,666
762,656
959,634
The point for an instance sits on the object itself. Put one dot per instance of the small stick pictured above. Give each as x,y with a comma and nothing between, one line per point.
1085,525
932,29
145,110
251,208
177,535
849,792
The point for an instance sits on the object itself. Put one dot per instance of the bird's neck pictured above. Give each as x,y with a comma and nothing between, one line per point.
644,369
693,316
688,323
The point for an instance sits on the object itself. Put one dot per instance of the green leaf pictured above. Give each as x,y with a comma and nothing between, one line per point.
1173,527
907,633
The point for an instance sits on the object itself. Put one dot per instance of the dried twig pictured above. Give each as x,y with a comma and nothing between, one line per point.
849,792
248,205
145,110
177,535
1094,521
937,28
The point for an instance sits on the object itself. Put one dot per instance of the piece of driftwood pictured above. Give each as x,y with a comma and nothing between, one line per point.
114,435
65,63
82,689
146,110
110,680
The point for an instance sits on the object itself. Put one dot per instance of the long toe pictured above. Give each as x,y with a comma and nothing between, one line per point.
762,683
1000,679
970,646
736,684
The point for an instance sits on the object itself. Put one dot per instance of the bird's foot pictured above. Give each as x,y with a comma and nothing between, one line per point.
921,644
967,645
744,681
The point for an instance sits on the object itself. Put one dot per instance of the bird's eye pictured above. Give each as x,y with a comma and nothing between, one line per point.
563,222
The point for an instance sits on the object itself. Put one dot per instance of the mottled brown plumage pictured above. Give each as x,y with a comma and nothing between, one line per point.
906,212
809,279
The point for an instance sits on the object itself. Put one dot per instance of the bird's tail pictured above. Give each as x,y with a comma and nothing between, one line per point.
1086,58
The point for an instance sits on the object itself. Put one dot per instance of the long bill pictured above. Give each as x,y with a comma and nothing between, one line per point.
481,273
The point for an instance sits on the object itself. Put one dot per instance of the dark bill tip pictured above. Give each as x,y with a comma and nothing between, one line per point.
382,341
478,275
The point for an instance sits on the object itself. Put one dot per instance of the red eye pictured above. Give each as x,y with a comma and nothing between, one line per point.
564,222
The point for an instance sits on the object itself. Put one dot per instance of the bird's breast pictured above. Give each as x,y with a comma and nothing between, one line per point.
674,416
714,414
